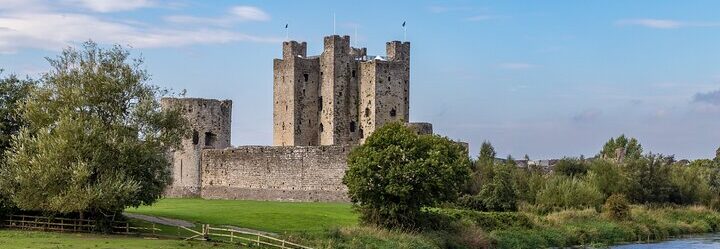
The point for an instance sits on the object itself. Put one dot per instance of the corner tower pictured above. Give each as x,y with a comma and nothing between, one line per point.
210,123
296,85
385,88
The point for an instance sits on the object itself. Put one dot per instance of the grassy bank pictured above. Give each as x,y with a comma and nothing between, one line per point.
334,225
588,227
48,240
270,216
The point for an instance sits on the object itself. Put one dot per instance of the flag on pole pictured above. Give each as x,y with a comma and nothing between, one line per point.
403,24
286,25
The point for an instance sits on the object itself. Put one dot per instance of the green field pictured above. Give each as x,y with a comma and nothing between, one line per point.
267,216
40,240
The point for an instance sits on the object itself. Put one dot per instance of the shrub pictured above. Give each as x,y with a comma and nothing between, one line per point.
617,207
606,176
489,221
562,192
570,167
396,172
500,194
649,179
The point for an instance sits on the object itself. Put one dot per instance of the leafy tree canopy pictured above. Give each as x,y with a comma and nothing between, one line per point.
622,147
396,172
95,138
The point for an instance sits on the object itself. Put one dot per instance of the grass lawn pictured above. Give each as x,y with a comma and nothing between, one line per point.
270,216
39,240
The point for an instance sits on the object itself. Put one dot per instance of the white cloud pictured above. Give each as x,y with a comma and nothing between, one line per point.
665,23
53,31
113,5
236,14
249,13
516,66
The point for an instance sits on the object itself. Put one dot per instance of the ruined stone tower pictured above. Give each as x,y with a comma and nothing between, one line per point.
210,123
340,96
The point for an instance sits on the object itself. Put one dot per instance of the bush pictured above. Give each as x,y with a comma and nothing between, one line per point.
561,192
500,194
649,179
488,221
617,207
396,172
570,167
606,176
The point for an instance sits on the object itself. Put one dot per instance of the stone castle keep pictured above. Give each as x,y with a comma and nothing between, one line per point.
322,106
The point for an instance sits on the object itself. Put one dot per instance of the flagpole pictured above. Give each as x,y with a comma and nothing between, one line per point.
334,33
287,33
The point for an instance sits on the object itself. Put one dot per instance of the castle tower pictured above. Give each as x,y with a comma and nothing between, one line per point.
210,123
339,97
296,84
384,89
337,91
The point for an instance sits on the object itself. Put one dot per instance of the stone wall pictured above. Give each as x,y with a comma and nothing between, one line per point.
297,173
210,123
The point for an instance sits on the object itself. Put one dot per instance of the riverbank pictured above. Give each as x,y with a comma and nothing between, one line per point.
334,225
589,227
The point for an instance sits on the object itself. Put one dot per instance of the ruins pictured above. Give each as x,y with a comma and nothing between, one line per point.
322,106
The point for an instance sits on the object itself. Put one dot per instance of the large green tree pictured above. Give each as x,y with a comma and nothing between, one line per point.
95,138
396,172
622,148
13,92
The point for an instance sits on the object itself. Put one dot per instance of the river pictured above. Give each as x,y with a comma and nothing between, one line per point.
702,242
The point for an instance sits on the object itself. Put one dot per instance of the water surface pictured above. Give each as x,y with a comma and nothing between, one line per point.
702,242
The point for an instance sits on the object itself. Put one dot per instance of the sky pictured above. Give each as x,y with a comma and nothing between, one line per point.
543,78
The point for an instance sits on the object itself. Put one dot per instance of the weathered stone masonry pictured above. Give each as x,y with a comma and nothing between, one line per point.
322,106
307,173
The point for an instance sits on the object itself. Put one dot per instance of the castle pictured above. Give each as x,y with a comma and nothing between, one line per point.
322,106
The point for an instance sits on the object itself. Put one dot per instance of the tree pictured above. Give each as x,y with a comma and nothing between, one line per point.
95,139
13,92
620,148
570,167
649,179
500,193
396,172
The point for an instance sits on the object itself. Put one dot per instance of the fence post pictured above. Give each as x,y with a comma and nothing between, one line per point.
231,236
258,240
127,227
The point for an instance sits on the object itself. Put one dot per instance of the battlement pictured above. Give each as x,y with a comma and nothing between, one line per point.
294,49
340,96
398,51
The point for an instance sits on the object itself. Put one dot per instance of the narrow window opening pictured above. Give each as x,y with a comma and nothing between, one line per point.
320,103
306,76
353,73
195,137
352,126
210,139
393,113
362,134
388,78
367,112
322,128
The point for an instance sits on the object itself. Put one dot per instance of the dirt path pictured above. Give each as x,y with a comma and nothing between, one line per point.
160,220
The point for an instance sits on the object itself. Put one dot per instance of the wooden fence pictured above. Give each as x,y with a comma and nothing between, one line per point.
71,225
245,238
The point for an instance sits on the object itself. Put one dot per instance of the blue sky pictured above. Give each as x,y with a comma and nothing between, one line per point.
543,78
